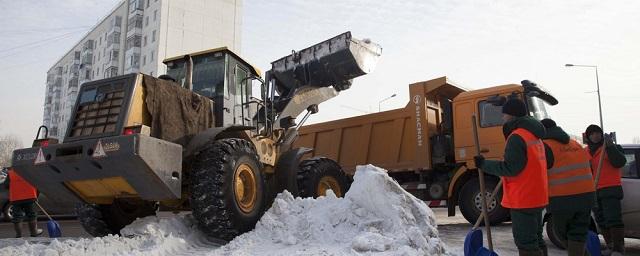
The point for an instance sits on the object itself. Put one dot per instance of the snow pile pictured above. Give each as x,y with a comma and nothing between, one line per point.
146,236
376,216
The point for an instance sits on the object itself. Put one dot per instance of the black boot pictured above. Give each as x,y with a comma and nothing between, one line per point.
575,248
530,253
33,228
617,239
18,228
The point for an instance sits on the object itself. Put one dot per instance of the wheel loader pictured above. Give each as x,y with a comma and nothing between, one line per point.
211,136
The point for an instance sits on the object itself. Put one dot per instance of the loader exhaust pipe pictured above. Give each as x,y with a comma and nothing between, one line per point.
188,76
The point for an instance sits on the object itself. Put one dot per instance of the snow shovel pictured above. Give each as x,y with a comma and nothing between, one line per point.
473,242
53,228
593,244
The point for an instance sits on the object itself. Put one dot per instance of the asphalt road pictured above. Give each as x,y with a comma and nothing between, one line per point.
452,231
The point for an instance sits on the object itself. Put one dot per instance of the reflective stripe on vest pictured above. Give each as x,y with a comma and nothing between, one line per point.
529,189
571,171
609,175
20,189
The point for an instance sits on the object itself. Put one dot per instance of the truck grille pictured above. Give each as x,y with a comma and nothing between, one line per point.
98,117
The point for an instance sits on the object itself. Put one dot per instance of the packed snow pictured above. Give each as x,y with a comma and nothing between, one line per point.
376,217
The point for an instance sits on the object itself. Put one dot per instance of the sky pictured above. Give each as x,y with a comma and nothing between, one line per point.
477,44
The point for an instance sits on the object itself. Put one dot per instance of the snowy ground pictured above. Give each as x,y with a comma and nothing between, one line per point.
376,217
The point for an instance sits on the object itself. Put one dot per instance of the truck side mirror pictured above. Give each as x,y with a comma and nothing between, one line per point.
497,100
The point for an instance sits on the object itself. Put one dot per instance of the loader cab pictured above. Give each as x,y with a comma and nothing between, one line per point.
222,76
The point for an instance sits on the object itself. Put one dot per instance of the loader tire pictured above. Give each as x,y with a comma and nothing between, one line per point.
102,220
316,175
227,188
470,205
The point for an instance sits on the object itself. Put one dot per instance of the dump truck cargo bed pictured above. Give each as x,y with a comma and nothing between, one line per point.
100,170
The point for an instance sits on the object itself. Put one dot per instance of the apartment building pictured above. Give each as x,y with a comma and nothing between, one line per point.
135,37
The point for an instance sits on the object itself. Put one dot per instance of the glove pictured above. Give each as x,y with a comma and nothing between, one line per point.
608,141
479,160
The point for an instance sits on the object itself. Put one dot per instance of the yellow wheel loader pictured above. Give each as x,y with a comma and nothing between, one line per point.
212,136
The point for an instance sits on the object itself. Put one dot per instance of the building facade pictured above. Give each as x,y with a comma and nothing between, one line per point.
135,37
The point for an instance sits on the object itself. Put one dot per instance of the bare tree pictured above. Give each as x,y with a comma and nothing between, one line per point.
8,143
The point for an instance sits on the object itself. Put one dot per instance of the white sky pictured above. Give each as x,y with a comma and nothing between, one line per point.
475,43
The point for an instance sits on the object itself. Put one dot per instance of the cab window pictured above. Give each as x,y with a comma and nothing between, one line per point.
490,115
630,170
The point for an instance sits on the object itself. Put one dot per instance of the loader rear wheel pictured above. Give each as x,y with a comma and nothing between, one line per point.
102,220
317,175
470,202
227,188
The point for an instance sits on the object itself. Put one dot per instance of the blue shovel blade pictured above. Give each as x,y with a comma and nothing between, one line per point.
473,242
593,244
53,228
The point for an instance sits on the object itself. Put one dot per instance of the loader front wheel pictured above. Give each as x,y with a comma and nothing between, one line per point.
102,220
317,175
227,188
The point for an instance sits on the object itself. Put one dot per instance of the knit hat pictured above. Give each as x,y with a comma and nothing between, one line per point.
548,123
591,129
514,107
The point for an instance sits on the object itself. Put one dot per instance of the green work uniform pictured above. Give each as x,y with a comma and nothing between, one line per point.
524,221
571,214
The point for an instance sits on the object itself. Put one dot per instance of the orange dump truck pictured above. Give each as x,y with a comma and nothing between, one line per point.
428,145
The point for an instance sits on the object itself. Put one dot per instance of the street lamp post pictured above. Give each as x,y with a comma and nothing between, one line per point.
598,88
383,100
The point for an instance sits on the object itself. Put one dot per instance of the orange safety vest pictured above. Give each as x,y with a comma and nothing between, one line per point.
20,189
529,189
609,175
571,171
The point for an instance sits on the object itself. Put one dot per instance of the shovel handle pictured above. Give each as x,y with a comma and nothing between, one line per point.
482,185
45,212
493,195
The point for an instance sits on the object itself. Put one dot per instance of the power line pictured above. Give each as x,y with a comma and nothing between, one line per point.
21,31
36,44
40,41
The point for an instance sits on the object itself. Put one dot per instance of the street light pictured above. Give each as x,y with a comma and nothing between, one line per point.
597,90
383,100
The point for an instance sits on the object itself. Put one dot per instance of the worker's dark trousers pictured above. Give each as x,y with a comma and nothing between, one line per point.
571,225
609,209
23,211
527,228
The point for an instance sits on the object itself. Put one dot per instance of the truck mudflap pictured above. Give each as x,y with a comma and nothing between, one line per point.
100,170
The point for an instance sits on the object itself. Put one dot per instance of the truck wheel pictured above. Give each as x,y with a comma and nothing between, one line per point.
102,220
7,213
316,175
470,202
227,188
552,235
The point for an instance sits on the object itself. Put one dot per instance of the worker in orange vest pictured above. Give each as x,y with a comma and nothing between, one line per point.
22,197
524,175
609,188
570,188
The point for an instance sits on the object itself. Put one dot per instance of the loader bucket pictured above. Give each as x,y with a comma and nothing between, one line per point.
333,62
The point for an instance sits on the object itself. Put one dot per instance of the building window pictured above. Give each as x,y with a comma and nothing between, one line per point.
146,21
151,55
144,60
98,71
134,22
133,41
155,15
147,3
144,41
153,36
151,73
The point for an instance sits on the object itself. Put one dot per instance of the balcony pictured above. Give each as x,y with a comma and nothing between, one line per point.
135,24
88,46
